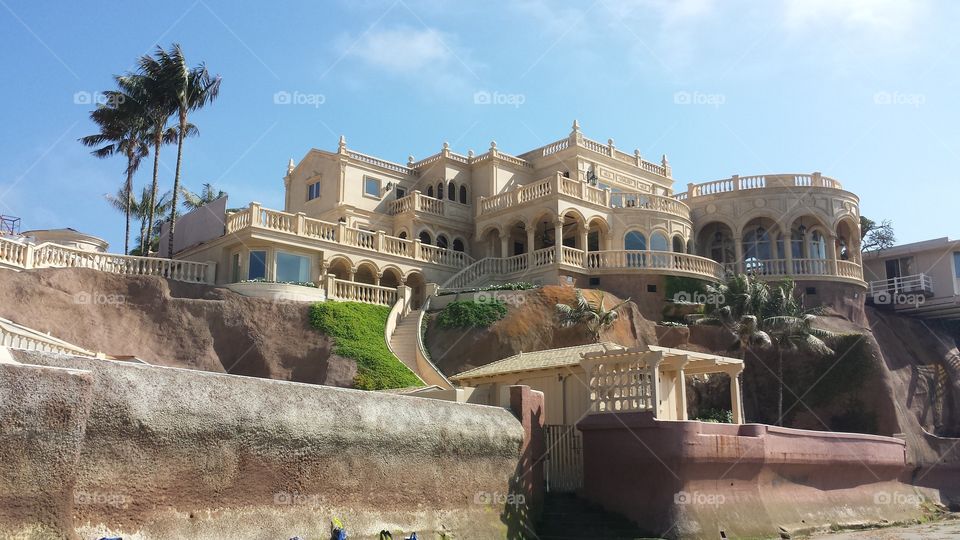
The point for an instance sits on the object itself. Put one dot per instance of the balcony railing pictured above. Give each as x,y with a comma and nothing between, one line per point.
917,283
255,217
417,202
743,183
351,291
559,184
590,262
803,268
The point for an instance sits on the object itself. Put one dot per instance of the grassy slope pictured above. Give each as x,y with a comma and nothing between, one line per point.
357,331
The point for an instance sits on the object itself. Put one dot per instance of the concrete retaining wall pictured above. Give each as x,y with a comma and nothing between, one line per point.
696,480
170,453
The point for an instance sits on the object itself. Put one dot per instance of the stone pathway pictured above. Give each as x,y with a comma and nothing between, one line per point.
941,530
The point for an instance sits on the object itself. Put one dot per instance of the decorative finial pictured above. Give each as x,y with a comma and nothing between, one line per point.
664,161
493,145
576,125
470,153
636,153
446,145
610,143
290,166
410,160
343,142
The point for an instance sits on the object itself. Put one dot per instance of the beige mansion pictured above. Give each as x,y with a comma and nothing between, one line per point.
575,210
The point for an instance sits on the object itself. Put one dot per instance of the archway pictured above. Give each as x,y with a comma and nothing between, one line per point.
458,244
491,242
760,242
366,273
340,268
715,241
442,241
598,235
417,283
391,278
636,245
848,241
424,237
678,244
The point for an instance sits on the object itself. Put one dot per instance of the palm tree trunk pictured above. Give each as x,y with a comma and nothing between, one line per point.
128,191
176,181
780,390
158,140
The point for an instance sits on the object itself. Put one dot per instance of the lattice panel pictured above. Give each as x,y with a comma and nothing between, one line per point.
620,386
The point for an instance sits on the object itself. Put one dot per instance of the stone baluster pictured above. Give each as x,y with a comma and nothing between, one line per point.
255,213
735,182
299,224
531,262
378,245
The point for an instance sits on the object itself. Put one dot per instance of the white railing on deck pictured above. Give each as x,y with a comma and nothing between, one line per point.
17,336
916,283
14,253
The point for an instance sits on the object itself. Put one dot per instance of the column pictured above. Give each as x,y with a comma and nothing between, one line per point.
584,236
376,278
831,241
530,244
788,249
505,244
738,253
680,391
736,404
558,236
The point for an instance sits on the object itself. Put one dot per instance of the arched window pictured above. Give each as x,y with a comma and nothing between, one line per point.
635,240
440,190
677,244
463,194
818,245
429,191
441,241
451,191
756,244
403,234
658,242
457,244
424,237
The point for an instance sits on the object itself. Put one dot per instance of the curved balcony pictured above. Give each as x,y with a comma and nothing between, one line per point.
762,181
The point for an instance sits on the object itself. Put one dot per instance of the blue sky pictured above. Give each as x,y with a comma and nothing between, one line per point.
863,90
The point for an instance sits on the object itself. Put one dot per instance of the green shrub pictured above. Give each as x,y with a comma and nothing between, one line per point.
716,416
357,332
676,284
470,314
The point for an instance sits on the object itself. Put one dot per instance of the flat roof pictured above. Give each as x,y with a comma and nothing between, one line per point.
914,247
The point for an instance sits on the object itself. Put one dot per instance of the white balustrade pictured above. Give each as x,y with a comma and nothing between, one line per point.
352,291
742,183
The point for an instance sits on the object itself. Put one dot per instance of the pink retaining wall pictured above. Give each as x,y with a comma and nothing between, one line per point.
696,480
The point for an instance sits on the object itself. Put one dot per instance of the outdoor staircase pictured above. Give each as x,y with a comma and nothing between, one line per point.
403,342
568,517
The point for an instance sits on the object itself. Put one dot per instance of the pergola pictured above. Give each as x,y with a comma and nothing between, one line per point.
622,380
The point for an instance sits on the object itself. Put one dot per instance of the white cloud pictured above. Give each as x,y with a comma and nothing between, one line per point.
884,16
404,49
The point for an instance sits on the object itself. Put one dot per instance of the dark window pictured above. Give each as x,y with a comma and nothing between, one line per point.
463,194
457,244
424,237
442,241
403,235
429,191
313,191
811,290
401,192
258,265
440,190
452,191
594,281
651,288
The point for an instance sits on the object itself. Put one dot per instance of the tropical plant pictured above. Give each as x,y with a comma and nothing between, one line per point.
761,316
593,316
123,131
140,210
192,201
178,89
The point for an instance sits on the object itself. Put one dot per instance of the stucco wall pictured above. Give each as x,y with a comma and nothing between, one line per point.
694,480
175,453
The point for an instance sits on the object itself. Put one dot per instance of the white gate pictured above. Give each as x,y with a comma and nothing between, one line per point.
564,467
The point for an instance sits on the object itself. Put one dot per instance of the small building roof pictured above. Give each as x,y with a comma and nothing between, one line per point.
572,356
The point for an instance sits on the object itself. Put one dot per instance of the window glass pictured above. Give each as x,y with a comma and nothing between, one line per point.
371,186
313,191
292,267
658,242
235,268
956,263
258,265
635,241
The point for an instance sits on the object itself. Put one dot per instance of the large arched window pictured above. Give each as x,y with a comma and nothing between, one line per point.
658,242
818,245
440,190
677,244
452,191
756,244
635,240
429,191
424,237
463,194
457,244
441,241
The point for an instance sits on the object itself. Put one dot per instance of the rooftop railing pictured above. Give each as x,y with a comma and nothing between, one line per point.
743,183
916,283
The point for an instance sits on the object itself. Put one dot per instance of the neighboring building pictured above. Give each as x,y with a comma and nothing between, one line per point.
68,237
920,279
574,210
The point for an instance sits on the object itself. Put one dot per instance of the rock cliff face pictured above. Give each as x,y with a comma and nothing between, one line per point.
174,324
530,325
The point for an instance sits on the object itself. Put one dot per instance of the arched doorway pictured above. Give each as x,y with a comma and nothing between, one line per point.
715,241
424,237
366,273
391,278
340,268
417,283
597,235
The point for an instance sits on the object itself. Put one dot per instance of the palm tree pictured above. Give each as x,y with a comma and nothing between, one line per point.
140,208
183,89
761,316
122,131
207,195
595,317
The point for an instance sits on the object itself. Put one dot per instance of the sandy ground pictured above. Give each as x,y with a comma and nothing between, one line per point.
929,531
